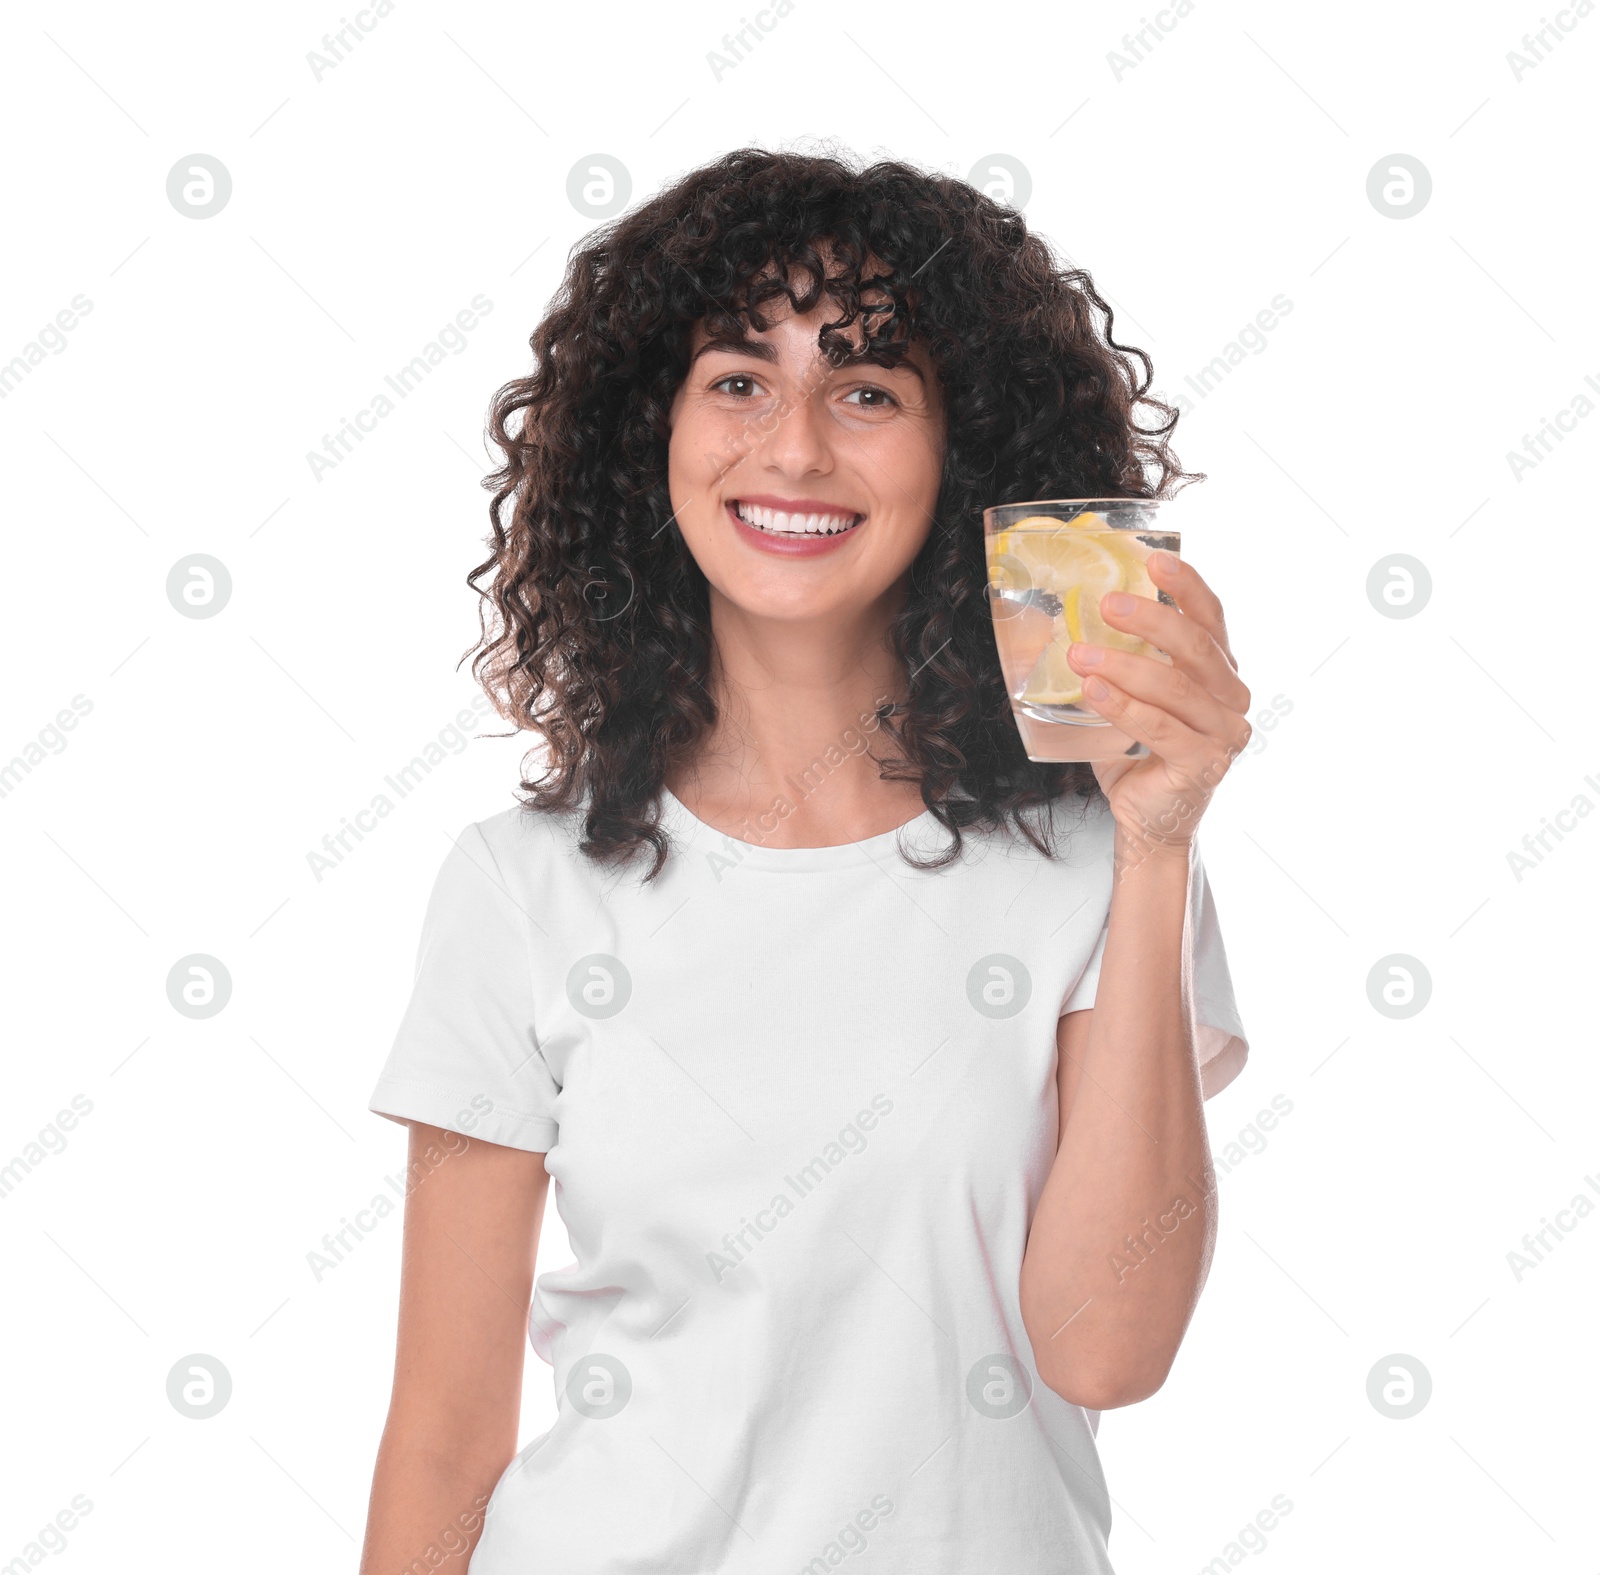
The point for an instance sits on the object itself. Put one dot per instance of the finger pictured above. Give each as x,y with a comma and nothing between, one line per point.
1184,638
1182,582
1191,753
1166,686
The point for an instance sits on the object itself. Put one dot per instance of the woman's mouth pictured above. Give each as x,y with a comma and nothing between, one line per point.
803,528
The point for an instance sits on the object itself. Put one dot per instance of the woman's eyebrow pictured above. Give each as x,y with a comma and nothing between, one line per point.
869,358
761,349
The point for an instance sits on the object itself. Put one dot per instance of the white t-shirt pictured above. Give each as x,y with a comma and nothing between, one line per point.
798,1105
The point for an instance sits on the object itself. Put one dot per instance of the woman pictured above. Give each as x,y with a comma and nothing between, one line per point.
866,1054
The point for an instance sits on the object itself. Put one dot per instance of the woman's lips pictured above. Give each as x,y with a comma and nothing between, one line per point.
791,544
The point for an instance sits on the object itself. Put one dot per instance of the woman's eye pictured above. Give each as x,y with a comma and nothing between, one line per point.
737,377
881,399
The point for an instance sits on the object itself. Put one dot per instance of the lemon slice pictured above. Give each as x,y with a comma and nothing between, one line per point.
1052,681
1137,582
1007,572
1059,560
1047,524
1080,566
1079,561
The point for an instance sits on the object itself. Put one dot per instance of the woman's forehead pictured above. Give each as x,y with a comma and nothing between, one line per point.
784,328
872,307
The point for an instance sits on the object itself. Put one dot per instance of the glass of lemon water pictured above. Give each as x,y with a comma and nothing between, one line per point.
1049,564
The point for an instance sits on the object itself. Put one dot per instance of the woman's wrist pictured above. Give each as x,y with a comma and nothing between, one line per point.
1135,848
1149,904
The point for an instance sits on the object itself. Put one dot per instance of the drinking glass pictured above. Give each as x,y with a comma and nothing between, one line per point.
1049,564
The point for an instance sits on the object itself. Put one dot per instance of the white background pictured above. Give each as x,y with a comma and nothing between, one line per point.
1228,166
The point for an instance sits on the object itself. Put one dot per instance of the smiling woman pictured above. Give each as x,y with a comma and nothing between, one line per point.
865,1123
797,400
895,341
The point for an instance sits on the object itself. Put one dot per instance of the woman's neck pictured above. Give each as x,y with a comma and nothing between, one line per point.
797,706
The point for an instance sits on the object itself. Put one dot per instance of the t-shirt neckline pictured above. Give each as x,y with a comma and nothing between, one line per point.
707,839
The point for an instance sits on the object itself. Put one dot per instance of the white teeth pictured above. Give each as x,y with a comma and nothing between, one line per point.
780,523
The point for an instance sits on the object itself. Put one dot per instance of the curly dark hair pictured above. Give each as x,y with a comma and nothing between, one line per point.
1040,402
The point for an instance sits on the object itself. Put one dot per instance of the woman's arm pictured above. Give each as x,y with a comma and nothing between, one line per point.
1122,1237
471,1234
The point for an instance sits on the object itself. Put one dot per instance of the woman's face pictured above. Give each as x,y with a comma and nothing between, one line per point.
803,490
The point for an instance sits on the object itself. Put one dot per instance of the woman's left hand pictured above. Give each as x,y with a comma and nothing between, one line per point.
1191,714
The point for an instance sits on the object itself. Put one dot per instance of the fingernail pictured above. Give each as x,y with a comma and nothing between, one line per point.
1096,689
1118,602
1087,655
1167,562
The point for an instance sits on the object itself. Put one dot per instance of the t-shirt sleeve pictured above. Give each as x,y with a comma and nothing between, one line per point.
1221,1046
466,1056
